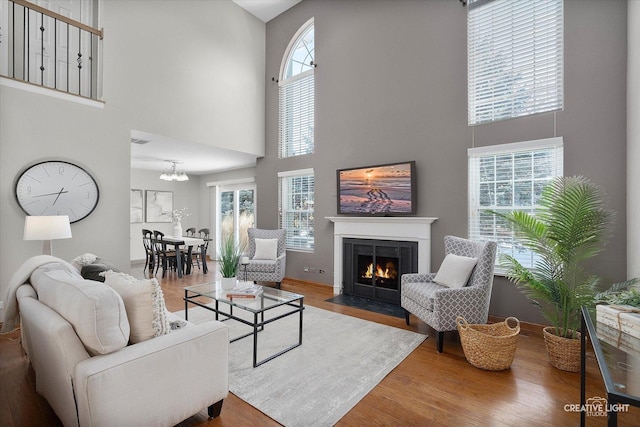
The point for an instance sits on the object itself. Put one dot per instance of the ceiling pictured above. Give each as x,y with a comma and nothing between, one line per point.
266,10
155,152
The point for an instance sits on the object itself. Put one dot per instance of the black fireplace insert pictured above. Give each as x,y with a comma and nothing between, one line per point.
373,268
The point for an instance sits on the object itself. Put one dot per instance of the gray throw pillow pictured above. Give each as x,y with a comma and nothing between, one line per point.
92,271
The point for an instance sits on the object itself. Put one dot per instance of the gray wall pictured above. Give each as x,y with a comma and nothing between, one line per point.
391,86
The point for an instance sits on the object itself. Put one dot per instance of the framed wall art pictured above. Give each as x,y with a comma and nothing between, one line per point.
136,206
159,206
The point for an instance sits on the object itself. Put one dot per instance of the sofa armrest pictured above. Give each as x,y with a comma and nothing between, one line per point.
417,277
158,382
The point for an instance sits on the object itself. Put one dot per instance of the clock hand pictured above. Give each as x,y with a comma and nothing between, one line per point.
61,191
51,194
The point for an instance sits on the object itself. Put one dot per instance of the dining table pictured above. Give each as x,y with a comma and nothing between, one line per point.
187,242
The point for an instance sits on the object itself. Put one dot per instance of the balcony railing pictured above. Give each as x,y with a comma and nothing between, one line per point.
44,48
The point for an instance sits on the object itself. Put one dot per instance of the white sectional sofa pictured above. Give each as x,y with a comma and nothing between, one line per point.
76,335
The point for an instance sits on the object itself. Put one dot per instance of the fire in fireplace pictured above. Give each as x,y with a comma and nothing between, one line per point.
385,272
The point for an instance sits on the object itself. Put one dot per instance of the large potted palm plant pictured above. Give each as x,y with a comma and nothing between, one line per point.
570,228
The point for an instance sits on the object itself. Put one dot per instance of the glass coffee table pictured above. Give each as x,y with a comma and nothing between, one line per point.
257,306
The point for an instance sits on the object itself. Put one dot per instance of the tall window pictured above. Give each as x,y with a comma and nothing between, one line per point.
296,199
515,63
505,178
296,95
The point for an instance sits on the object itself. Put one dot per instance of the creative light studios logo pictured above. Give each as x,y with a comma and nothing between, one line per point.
596,407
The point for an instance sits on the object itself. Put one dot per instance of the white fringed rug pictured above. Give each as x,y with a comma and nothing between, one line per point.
341,359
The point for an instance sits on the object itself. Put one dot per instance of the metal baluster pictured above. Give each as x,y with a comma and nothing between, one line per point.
55,53
27,24
68,49
91,65
79,60
13,45
41,49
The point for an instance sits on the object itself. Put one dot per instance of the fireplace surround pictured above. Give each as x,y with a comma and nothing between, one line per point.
411,229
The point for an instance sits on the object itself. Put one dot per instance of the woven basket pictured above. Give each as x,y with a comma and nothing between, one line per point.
490,347
563,353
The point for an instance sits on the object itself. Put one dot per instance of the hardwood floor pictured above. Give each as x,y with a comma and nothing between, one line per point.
426,389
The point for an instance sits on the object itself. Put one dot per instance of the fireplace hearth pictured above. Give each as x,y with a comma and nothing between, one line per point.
373,268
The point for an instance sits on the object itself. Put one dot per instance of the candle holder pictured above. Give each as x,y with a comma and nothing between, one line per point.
245,261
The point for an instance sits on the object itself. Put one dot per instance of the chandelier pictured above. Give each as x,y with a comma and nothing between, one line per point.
172,174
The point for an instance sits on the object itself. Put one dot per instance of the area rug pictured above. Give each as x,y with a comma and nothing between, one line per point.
341,359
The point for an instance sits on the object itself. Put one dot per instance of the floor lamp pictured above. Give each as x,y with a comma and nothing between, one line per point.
47,228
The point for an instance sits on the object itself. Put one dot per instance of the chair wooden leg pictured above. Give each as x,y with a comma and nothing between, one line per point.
215,409
440,341
152,264
278,285
406,316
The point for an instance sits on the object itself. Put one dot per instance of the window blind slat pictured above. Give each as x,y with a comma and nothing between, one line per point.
297,117
515,63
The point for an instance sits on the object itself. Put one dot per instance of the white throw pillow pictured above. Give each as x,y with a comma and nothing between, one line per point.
455,271
95,311
144,303
266,249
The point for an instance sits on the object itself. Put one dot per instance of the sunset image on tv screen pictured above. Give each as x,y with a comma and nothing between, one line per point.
376,190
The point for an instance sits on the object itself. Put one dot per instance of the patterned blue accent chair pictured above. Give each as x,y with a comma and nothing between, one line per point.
438,305
266,270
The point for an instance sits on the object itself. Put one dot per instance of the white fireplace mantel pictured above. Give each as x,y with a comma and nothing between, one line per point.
411,229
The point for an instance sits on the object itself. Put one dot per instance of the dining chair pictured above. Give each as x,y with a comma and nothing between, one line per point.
150,256
165,258
196,254
191,232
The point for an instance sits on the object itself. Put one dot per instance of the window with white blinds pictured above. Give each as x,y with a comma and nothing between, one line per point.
515,58
509,177
297,95
296,200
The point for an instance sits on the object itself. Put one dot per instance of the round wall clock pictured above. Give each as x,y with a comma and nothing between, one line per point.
57,188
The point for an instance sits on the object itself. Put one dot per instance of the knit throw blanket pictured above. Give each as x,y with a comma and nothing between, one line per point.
21,276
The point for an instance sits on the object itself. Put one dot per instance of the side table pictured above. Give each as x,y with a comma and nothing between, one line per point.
620,370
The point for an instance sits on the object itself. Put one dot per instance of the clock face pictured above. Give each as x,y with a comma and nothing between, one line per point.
57,188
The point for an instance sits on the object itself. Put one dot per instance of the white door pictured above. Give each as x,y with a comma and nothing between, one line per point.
236,213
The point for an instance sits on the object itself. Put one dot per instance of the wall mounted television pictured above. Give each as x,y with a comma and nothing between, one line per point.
384,190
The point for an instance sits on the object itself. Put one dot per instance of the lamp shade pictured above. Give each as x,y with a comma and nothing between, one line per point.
47,227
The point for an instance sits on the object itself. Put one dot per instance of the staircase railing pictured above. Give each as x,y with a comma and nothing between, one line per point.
47,49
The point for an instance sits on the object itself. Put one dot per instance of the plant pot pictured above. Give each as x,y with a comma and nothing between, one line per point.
228,283
563,353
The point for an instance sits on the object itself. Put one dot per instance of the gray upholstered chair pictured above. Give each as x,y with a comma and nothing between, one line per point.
266,270
438,305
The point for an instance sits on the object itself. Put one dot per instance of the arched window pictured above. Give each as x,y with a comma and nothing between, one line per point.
296,95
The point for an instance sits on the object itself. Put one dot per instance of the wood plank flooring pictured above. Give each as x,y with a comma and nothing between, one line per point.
426,389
